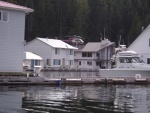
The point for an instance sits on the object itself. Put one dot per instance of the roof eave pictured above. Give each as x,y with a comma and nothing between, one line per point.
28,10
64,48
89,51
107,45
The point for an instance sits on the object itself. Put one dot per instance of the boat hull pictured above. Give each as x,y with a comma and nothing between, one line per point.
124,72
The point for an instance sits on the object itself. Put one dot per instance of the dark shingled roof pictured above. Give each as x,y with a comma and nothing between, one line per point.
95,46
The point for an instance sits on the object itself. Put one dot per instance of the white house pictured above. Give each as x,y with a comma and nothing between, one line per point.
12,28
94,55
141,45
30,60
55,53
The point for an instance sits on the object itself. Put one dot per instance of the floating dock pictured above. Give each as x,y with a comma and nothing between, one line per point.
70,81
29,79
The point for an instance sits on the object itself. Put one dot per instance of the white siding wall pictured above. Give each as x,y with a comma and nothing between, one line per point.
84,64
39,48
64,54
142,44
84,61
11,44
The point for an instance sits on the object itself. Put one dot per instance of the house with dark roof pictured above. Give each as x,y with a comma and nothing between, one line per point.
55,53
94,55
12,28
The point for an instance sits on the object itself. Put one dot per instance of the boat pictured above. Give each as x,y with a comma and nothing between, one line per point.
126,64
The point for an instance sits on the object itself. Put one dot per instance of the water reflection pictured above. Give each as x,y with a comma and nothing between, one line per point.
75,99
87,99
10,100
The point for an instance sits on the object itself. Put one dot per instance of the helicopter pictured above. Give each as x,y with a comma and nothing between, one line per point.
74,40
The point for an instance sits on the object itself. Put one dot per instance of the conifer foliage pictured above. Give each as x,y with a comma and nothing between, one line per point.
90,19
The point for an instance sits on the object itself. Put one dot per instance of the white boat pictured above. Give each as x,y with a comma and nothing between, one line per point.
126,64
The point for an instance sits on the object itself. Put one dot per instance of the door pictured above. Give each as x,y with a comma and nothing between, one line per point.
63,62
32,63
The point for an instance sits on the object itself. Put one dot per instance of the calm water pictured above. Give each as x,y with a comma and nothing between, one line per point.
75,99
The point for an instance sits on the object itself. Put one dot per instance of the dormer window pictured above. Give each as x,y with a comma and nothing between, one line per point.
4,16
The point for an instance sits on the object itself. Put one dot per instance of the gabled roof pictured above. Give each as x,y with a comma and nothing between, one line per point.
142,43
56,43
11,6
30,55
95,46
92,46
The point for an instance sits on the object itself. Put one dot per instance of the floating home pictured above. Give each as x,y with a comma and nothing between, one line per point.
12,28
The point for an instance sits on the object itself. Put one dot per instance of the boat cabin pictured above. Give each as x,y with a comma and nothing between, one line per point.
127,59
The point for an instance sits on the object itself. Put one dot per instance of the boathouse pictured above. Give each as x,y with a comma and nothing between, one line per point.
141,45
12,28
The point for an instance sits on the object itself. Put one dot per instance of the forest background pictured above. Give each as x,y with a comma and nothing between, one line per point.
90,19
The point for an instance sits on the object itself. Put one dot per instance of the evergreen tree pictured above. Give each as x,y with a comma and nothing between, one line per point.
91,19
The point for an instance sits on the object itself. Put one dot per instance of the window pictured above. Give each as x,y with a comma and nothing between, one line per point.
48,62
4,16
122,60
70,52
32,63
89,63
83,54
97,63
57,51
71,62
0,15
97,54
86,54
89,54
56,62
37,62
79,62
148,60
130,60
